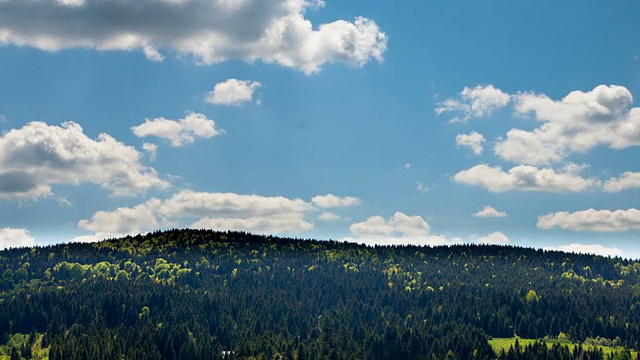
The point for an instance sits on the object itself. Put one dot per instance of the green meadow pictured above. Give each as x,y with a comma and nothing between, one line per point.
499,344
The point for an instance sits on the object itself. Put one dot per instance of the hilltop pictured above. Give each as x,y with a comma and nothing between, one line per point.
199,294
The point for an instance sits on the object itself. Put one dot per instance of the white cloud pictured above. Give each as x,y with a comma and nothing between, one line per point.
375,225
587,249
329,201
203,204
95,237
495,238
422,187
489,212
329,216
152,53
152,149
428,240
70,2
400,229
14,238
540,146
232,92
577,123
475,102
628,180
219,211
37,156
526,178
274,31
398,223
185,130
473,141
123,220
592,220
263,225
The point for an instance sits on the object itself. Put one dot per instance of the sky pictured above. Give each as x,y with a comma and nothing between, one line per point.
377,122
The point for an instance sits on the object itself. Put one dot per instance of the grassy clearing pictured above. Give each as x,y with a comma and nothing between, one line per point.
499,344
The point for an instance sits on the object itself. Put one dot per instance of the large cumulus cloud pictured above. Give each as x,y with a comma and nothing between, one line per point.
210,31
38,155
15,238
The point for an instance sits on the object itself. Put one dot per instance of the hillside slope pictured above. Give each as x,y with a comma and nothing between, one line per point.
193,294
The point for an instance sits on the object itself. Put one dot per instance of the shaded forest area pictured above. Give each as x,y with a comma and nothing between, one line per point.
200,294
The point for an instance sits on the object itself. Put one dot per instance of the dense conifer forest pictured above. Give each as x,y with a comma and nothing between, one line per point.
199,294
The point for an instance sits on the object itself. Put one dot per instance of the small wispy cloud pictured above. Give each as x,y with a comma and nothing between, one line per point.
329,216
473,141
495,238
489,212
152,149
474,102
588,249
329,201
178,132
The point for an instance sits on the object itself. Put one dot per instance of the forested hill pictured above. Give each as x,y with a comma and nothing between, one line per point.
197,294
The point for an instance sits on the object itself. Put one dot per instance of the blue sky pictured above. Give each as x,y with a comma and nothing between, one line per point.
429,122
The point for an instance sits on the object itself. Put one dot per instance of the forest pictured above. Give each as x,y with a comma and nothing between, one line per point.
202,294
